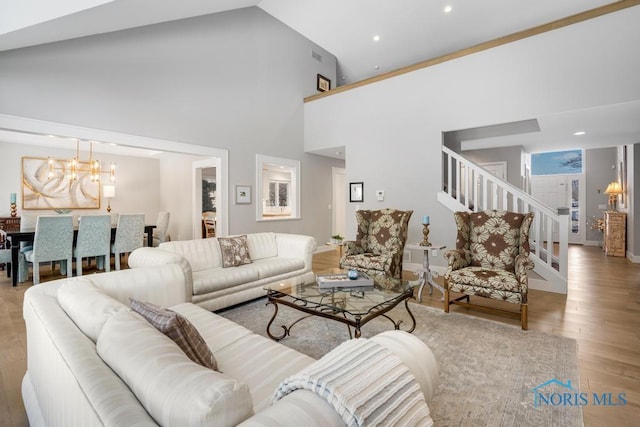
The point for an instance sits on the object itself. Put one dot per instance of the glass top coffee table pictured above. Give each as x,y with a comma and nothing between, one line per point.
353,306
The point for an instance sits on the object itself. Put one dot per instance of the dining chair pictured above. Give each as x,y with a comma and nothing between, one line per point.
129,235
94,240
53,241
161,232
208,224
5,258
27,222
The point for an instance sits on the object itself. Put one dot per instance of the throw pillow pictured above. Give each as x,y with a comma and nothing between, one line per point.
235,251
179,329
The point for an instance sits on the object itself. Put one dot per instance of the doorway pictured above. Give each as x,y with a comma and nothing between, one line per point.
209,192
497,169
558,191
339,201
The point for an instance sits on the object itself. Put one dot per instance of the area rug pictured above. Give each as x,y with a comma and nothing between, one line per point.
489,371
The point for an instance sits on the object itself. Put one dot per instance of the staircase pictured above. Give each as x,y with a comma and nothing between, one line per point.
469,187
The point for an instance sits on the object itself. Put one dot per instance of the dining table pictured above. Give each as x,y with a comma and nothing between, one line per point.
13,239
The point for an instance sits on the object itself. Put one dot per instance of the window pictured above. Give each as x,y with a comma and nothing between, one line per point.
556,162
278,184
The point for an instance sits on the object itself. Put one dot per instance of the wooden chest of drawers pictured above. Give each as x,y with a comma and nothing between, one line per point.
615,233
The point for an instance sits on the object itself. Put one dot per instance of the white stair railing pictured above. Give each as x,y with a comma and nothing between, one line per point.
468,186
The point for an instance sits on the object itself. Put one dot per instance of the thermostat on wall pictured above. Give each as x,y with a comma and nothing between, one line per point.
380,195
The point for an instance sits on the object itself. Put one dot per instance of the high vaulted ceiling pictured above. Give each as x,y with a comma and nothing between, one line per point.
368,37
409,31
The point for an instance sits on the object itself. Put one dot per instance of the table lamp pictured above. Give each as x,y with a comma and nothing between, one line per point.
109,192
613,190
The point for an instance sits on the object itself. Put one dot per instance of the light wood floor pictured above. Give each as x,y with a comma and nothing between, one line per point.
601,311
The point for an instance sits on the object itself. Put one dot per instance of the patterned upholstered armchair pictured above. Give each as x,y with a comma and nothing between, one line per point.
491,259
379,243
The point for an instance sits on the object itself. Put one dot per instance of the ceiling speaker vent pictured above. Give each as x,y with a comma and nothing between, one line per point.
316,55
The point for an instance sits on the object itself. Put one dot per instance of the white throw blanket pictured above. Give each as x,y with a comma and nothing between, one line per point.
366,384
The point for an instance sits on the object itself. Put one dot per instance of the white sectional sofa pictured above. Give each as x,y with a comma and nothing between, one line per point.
274,257
93,362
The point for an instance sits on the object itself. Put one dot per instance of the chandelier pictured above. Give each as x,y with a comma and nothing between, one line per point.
77,167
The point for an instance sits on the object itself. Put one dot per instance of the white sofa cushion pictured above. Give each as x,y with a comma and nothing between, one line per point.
218,332
271,267
163,285
262,245
173,389
259,361
87,306
223,278
202,254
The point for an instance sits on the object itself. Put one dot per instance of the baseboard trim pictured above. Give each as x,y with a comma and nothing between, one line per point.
325,248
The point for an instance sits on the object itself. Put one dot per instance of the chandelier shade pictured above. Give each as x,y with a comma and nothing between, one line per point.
75,167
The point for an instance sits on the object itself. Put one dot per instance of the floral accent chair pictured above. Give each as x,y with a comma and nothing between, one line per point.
491,259
379,243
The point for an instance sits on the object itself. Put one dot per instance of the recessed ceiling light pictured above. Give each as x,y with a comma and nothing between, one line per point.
448,8
376,38
579,133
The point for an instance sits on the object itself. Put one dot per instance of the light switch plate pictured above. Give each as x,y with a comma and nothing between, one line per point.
380,195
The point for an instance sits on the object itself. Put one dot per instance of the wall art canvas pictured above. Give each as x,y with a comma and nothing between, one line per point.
42,191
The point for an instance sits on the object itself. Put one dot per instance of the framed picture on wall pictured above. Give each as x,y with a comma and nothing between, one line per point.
323,84
48,185
243,194
356,192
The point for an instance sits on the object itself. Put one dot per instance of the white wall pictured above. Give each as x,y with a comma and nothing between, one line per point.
176,195
392,129
233,80
599,167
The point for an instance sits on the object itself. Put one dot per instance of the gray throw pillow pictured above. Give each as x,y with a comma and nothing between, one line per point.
179,329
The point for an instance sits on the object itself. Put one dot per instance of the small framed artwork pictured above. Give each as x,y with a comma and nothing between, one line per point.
324,84
243,194
356,192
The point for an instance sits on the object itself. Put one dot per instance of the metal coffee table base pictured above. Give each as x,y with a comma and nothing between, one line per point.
312,309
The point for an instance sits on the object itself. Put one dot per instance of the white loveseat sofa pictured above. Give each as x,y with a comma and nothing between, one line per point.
93,362
274,257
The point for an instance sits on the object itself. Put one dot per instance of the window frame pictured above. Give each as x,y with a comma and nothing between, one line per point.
294,187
